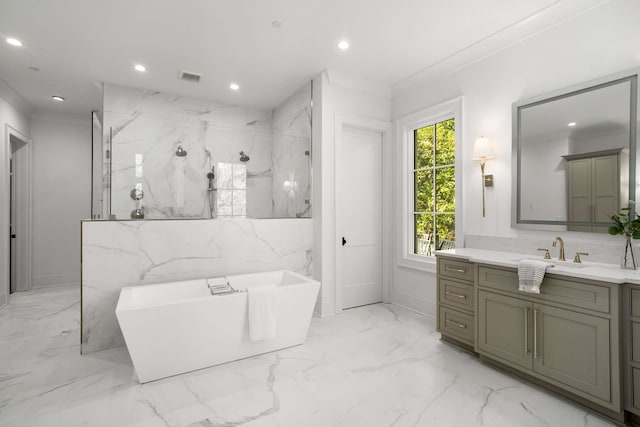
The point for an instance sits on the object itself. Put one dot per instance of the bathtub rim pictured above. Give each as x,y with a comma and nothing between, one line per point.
127,290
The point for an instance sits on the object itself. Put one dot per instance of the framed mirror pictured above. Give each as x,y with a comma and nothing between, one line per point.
574,155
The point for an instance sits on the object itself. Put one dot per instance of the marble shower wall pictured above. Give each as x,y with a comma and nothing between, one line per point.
145,129
116,254
292,155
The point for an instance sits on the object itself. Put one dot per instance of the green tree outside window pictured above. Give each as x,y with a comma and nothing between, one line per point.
434,203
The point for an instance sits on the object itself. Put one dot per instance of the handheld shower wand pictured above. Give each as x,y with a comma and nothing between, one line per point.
212,190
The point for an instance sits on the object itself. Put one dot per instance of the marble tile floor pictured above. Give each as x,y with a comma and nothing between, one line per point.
377,365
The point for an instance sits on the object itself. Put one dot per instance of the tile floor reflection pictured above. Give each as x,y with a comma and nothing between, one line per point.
378,365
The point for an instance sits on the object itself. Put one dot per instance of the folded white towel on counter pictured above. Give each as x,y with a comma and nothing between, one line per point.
263,305
530,275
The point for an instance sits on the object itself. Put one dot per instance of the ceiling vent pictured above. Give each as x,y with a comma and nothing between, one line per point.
190,77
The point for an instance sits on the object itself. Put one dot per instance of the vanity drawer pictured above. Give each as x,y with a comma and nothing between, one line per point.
455,323
567,292
455,269
456,294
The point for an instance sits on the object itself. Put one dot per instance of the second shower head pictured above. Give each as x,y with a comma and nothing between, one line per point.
181,152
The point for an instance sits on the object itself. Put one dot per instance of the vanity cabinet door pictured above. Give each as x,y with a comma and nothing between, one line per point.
505,328
632,348
573,348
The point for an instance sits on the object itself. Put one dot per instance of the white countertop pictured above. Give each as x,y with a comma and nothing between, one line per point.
611,273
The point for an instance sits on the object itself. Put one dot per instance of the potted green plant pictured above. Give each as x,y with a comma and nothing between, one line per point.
630,229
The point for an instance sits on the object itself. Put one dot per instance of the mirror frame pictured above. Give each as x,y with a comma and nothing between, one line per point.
630,76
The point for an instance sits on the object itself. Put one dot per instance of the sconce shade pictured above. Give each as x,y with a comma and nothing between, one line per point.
482,149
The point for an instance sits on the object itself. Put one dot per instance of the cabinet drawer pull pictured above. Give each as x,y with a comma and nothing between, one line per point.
526,330
535,334
459,325
456,269
453,294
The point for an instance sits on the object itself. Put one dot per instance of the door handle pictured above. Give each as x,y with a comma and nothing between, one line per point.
344,242
13,236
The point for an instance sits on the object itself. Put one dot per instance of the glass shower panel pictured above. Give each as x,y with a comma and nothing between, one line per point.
96,167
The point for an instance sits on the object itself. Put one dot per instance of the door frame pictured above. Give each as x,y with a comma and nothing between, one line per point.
384,128
22,180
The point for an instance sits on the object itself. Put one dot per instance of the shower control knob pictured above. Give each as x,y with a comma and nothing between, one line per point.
136,194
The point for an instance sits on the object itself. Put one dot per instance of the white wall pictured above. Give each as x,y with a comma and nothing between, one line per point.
538,175
61,195
335,94
602,41
17,118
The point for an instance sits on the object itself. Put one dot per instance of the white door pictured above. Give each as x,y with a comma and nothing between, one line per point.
359,217
13,247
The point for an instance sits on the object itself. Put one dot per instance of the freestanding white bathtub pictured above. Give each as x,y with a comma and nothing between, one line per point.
177,327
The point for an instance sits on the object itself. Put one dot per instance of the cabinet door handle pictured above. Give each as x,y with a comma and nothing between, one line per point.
456,269
526,330
535,334
453,294
459,325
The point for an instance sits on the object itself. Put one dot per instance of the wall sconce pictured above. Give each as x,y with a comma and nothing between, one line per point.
482,151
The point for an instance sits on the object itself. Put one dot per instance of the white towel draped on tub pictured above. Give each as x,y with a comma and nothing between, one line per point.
530,275
263,304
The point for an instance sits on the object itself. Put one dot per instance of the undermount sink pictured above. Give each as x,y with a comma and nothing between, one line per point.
567,264
557,263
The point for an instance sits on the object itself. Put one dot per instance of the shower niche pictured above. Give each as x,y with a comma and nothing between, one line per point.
172,157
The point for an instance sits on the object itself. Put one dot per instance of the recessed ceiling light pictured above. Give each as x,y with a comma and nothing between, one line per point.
141,68
572,124
57,98
14,42
344,45
234,86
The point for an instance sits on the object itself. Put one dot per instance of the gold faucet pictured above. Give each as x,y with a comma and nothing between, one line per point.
561,253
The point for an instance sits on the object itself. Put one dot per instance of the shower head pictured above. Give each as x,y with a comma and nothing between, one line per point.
181,152
243,157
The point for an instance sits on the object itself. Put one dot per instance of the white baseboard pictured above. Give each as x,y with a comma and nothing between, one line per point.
410,302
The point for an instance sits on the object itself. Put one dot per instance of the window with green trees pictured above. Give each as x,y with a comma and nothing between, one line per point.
434,203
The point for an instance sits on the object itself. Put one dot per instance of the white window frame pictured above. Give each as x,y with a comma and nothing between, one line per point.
405,134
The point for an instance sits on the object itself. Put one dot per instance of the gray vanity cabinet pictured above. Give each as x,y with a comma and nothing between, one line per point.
552,335
456,301
504,328
593,187
574,349
632,349
550,341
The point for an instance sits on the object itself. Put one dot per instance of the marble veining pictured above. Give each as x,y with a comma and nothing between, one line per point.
142,130
378,365
127,253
